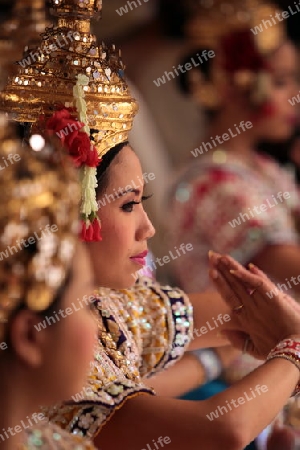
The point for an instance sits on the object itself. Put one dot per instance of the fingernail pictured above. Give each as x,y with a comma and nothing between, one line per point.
233,272
210,253
214,274
251,266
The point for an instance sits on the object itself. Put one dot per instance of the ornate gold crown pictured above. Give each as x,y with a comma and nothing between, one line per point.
40,191
50,72
28,20
70,70
79,8
213,19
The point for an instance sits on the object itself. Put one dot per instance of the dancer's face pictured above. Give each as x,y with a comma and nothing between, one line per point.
281,122
125,225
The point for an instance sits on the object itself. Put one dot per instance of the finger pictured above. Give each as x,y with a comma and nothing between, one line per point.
234,265
238,287
262,289
230,262
213,258
256,271
281,438
224,289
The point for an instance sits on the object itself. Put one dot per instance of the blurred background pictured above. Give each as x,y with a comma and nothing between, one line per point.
152,35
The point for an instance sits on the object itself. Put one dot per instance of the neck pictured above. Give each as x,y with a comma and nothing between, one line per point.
242,139
17,412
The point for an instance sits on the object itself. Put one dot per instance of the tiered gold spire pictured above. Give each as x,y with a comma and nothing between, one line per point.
70,70
49,73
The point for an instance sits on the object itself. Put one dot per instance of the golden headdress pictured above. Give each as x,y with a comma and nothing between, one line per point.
28,21
249,26
70,70
213,19
39,194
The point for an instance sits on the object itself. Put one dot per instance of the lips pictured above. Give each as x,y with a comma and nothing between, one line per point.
140,258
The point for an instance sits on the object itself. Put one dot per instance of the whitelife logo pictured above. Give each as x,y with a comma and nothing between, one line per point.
238,402
194,62
132,5
270,203
242,127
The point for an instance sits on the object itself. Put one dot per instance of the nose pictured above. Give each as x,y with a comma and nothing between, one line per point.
146,229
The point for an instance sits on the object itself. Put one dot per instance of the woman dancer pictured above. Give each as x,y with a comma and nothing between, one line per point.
149,332
230,198
39,275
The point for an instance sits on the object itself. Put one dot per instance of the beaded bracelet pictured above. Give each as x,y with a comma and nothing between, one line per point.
210,362
288,349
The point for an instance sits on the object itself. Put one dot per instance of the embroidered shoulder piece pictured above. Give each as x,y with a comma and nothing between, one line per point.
50,436
114,377
140,332
159,319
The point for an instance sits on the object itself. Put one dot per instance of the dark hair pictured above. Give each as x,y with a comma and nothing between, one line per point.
184,82
102,169
204,68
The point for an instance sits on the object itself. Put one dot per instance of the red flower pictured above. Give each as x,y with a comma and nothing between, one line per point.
86,232
63,124
91,231
240,53
82,151
97,230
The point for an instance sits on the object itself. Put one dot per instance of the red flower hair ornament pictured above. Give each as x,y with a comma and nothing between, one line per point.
84,154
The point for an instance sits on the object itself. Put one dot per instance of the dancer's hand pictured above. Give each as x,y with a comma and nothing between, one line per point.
281,438
265,314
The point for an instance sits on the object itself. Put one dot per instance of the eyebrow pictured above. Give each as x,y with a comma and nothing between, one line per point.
135,191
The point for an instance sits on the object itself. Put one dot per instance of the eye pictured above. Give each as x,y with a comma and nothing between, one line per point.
128,207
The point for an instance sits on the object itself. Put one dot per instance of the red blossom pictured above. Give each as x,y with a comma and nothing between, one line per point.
91,231
78,143
63,124
267,109
97,230
82,151
86,232
240,53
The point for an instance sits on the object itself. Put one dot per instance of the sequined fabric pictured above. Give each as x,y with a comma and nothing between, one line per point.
214,192
51,437
141,332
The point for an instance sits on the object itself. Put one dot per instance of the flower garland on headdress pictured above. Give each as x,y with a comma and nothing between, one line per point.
247,67
75,136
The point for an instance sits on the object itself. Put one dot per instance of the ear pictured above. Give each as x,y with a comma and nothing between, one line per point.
28,343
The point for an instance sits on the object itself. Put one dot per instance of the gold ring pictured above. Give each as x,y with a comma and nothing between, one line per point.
237,309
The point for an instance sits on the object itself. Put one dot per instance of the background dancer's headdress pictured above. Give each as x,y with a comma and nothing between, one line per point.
230,28
40,195
78,87
28,21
